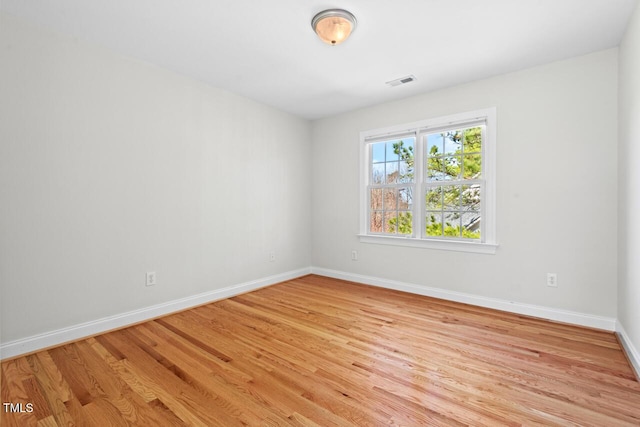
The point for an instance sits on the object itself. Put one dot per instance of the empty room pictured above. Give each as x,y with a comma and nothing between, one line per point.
299,213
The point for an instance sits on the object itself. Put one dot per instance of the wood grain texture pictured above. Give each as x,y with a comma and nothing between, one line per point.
323,352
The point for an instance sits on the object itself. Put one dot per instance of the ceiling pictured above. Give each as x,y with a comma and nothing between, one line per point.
267,51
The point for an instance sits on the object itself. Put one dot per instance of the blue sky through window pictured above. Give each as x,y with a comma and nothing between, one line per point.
384,151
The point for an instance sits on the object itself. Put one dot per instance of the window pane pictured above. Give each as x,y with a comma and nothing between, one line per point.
452,142
435,145
433,224
390,199
390,222
451,224
404,148
375,224
470,198
377,173
405,199
436,169
377,152
443,169
472,166
376,199
433,198
406,172
453,211
392,172
471,225
473,140
405,225
392,147
452,167
451,197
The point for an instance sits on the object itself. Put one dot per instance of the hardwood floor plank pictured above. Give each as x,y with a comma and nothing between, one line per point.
73,369
197,372
119,367
49,421
151,369
131,406
14,373
315,351
42,362
41,408
56,391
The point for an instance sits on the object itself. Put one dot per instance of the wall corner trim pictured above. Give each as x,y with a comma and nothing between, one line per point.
95,327
548,313
631,351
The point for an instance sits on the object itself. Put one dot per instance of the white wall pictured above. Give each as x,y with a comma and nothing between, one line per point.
111,167
556,189
629,185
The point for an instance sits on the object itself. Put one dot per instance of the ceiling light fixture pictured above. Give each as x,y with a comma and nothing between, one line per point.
333,26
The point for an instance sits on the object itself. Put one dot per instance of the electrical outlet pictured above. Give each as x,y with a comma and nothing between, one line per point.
552,280
272,256
354,255
150,278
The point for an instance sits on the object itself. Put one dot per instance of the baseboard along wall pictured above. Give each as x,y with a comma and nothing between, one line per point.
576,318
98,326
51,339
548,313
632,353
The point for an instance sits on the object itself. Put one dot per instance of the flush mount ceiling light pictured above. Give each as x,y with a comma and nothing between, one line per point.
333,26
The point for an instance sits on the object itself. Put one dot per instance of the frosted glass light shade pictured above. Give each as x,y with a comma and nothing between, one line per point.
333,26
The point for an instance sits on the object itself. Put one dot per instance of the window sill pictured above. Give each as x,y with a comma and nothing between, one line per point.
446,245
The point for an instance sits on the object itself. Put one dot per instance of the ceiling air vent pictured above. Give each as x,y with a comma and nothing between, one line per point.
402,80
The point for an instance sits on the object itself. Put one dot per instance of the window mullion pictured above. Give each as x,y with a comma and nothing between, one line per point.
445,183
483,210
418,203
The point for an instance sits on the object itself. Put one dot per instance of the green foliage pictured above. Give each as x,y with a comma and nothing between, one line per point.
464,163
434,228
468,234
473,140
403,224
442,168
406,155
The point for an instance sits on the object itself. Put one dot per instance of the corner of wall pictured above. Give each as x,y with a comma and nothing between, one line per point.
630,350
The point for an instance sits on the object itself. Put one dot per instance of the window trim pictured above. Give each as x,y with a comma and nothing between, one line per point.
489,244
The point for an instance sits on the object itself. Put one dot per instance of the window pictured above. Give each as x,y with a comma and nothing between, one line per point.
431,183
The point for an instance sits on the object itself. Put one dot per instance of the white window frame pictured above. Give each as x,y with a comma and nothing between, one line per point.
488,242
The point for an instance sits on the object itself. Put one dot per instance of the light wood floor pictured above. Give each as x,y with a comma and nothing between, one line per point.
318,351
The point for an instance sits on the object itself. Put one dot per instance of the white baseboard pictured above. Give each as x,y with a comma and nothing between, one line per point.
629,348
98,326
576,318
